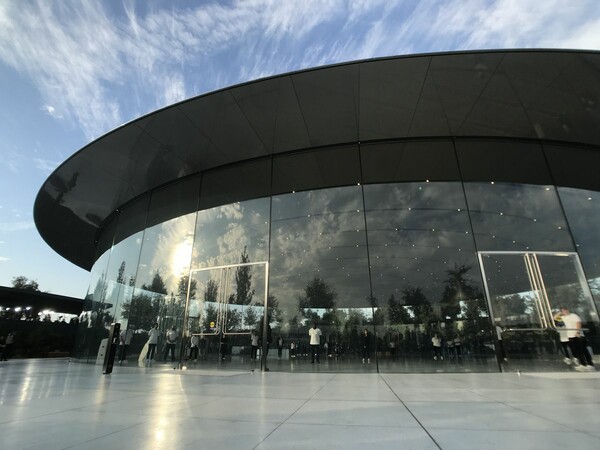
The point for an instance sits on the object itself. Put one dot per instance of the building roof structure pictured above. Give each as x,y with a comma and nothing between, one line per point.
541,95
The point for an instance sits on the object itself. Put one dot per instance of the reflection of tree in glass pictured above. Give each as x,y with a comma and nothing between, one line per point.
243,281
250,317
458,287
397,312
144,308
419,304
317,294
318,297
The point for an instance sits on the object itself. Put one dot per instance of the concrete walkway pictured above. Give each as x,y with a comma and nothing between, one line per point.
54,404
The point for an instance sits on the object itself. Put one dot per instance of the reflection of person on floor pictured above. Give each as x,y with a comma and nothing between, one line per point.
315,342
152,341
124,343
171,336
194,341
254,345
436,341
577,341
500,343
365,339
279,346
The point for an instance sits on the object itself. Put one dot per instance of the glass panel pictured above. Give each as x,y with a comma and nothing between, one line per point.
228,235
225,308
319,273
513,300
527,294
517,217
582,209
161,285
122,270
92,324
432,314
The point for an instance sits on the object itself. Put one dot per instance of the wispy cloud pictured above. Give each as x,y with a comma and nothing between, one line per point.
7,227
45,165
51,111
99,69
4,258
9,159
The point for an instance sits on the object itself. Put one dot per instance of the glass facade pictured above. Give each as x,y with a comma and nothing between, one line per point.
401,268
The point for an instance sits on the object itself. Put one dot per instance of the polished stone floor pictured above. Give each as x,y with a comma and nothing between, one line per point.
54,404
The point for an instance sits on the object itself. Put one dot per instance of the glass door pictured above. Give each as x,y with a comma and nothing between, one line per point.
224,309
525,291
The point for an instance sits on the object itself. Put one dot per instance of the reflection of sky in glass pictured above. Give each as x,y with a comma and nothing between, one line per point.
167,249
582,209
223,232
417,232
516,217
319,234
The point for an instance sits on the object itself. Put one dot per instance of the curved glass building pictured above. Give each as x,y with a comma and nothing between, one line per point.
448,204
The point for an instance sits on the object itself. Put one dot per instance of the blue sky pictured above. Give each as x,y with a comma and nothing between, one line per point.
71,70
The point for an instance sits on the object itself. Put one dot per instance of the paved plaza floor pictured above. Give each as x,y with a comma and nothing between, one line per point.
54,404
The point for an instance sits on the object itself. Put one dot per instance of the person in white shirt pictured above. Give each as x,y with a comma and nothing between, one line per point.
436,341
577,340
152,341
315,342
170,345
194,341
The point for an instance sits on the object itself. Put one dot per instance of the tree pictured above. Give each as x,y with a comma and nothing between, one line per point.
157,285
243,282
317,295
22,282
211,291
250,317
458,288
183,286
421,307
397,311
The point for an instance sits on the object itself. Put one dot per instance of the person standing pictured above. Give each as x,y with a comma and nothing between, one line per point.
124,342
500,344
365,339
577,341
9,345
436,341
152,342
170,345
315,342
279,346
254,345
194,341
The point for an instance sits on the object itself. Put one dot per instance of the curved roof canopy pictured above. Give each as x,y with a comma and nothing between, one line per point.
539,94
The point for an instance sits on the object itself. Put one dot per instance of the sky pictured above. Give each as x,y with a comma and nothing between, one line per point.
72,70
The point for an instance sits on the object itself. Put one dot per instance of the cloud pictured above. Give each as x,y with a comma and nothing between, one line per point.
9,159
6,227
51,111
45,165
4,258
100,66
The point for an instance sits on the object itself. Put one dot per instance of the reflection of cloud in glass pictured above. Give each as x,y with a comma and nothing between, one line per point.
223,232
517,217
166,247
